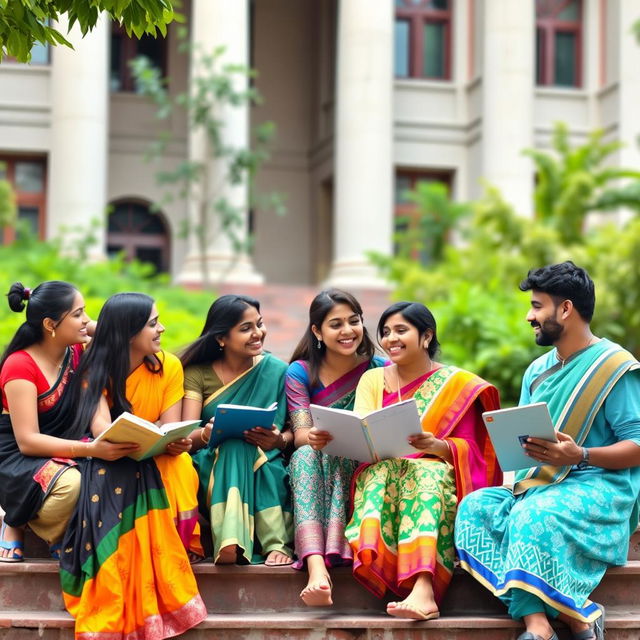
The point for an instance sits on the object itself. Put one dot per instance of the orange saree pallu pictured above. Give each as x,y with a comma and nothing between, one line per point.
124,569
404,508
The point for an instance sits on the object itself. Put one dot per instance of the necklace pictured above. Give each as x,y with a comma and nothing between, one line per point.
220,372
563,361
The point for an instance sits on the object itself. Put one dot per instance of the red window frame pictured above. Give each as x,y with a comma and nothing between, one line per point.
547,26
417,15
26,198
410,209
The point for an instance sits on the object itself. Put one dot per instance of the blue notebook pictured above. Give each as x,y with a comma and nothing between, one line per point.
232,420
507,427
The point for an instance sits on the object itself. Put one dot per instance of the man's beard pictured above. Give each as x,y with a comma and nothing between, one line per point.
550,332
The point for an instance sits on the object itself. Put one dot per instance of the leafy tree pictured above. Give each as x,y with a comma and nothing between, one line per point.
473,289
212,90
23,22
572,181
7,202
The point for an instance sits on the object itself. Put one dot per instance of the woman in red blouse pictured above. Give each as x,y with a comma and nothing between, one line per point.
38,482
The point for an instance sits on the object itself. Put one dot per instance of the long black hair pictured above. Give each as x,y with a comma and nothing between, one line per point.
52,299
320,307
223,315
416,314
106,362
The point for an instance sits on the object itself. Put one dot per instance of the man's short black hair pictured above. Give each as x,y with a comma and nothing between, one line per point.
564,281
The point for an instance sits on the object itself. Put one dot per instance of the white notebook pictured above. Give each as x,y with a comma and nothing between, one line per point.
379,435
508,427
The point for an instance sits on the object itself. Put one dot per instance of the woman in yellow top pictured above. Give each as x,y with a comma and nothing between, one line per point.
125,561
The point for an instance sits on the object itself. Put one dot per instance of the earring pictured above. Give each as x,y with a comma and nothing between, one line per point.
426,344
221,345
53,333
319,343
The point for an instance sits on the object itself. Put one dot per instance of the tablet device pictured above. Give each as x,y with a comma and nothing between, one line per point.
508,428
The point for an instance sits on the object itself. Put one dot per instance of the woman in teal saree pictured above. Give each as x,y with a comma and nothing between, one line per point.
244,490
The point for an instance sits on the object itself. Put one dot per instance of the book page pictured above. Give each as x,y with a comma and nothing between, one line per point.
129,428
349,440
390,427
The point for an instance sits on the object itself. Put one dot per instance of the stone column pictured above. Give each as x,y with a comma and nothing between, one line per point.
508,81
214,24
628,90
77,181
363,207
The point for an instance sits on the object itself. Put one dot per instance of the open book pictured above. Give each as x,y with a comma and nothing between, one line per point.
232,420
509,428
153,440
379,435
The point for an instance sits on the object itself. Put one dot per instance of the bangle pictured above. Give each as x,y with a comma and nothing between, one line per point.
73,451
202,436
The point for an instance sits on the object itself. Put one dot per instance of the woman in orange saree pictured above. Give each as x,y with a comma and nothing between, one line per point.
125,566
401,530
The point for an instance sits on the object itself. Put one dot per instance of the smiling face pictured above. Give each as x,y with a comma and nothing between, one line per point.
72,328
341,330
246,338
402,340
544,316
147,341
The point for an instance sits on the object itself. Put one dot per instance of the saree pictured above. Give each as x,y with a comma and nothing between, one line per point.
320,483
554,535
404,508
243,490
124,567
26,481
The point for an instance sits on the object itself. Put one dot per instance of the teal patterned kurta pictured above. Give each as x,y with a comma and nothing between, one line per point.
556,541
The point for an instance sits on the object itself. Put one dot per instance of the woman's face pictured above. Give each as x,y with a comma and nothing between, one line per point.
72,329
341,330
402,341
147,341
246,338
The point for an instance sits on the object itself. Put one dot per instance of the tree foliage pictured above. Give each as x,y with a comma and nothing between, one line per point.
24,22
473,289
7,202
212,90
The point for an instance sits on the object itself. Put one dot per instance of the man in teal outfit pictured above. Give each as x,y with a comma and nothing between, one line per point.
543,546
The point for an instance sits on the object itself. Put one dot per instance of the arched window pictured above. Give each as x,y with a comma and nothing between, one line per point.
141,234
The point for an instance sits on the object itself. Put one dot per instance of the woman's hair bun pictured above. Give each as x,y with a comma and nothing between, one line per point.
17,296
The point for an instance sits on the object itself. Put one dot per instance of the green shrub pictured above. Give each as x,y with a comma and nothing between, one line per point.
31,262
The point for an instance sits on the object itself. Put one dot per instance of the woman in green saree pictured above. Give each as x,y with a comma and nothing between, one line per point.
244,488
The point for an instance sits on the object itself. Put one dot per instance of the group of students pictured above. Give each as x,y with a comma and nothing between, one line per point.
127,532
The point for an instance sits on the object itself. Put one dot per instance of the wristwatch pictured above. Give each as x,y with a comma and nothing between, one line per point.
584,463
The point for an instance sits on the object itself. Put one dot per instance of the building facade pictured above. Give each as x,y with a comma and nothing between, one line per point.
368,98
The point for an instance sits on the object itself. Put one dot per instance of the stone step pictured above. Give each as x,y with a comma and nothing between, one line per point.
34,586
622,624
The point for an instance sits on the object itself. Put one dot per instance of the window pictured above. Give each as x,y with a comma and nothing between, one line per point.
422,39
559,43
28,177
139,233
418,228
124,49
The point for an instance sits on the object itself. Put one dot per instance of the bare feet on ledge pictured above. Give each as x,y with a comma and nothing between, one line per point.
227,555
317,593
413,610
419,604
277,559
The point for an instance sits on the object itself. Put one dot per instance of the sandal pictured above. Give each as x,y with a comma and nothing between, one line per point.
16,547
54,550
596,631
528,635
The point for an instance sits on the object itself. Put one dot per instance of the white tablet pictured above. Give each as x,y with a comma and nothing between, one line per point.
507,429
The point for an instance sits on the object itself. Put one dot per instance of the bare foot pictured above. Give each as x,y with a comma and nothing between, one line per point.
277,559
227,555
419,604
317,593
413,610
